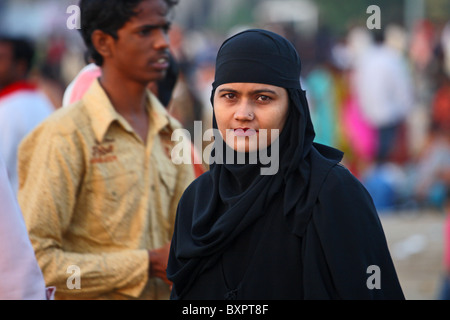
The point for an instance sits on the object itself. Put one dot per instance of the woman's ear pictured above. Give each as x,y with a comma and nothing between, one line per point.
102,43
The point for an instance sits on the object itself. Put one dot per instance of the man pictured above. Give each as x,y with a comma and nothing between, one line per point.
22,105
97,186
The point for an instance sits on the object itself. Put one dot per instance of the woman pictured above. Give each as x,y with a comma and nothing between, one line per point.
309,231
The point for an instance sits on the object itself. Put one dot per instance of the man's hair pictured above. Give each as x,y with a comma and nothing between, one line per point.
379,36
105,15
22,50
108,16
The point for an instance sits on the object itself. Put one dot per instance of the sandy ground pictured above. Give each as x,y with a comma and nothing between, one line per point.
415,240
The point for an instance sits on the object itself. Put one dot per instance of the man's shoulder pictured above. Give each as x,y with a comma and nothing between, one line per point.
67,120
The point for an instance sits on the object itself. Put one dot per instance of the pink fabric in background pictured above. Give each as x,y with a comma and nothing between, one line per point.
447,242
76,90
362,136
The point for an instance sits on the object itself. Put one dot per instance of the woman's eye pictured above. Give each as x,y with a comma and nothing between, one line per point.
264,98
229,96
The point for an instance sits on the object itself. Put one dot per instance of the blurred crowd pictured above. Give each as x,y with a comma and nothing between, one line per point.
381,96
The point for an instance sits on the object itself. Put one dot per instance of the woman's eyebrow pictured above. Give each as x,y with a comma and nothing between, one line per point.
264,91
227,90
259,91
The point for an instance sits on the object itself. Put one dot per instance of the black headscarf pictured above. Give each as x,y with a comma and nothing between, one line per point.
230,197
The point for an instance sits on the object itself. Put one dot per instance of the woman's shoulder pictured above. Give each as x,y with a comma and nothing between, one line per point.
341,174
344,201
340,182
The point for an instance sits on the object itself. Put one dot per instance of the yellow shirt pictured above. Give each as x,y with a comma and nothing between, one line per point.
95,198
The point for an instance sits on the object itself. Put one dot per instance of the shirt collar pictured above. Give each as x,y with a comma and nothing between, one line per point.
103,114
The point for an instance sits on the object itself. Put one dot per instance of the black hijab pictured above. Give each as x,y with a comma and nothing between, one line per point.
223,202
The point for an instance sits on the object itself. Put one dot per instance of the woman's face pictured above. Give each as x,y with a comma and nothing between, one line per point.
246,114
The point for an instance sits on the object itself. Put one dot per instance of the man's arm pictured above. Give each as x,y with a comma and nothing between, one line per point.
158,263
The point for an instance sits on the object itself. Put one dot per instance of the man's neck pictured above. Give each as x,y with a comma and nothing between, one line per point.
127,97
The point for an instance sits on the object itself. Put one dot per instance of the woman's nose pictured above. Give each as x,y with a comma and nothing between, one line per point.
244,112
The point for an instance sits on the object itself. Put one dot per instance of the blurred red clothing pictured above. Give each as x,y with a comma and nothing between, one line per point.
441,107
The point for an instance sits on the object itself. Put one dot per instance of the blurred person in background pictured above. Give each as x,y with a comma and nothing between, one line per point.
358,132
325,88
384,93
321,89
384,90
20,275
444,289
22,105
427,175
98,188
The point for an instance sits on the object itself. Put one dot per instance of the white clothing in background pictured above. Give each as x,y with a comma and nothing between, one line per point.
383,86
20,112
20,275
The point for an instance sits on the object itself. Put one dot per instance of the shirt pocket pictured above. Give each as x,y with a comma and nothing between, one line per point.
113,205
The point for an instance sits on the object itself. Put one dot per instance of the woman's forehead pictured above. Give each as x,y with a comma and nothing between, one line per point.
249,86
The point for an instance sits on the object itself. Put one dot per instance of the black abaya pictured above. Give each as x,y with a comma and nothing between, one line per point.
331,260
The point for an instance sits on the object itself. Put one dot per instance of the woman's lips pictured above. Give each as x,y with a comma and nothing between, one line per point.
244,132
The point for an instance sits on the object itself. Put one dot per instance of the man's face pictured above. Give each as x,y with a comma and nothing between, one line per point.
7,65
141,51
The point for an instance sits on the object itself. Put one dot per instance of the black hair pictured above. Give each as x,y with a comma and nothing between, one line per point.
108,16
23,50
105,15
379,36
